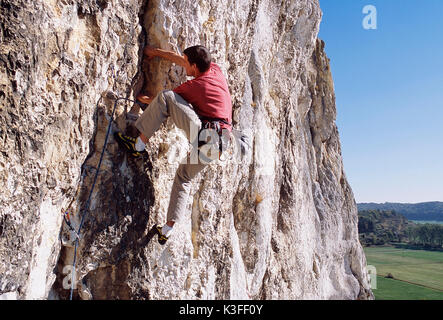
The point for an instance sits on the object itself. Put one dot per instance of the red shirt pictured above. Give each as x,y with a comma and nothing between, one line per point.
209,95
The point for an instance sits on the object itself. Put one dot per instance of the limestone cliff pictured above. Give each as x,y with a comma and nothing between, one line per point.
281,224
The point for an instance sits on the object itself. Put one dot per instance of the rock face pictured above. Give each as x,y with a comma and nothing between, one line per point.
280,224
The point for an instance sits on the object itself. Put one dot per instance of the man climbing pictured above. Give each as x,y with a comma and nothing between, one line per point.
203,102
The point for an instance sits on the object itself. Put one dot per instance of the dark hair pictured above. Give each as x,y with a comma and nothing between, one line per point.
200,56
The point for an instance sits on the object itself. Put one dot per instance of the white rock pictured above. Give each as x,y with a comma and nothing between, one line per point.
282,224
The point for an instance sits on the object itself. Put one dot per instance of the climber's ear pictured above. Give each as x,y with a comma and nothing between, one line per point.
191,69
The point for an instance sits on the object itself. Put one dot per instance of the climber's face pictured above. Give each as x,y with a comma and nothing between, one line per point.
191,70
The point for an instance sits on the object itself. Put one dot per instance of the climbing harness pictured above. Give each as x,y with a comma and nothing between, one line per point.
213,123
223,136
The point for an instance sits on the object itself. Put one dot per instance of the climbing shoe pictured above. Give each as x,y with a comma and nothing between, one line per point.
128,143
161,237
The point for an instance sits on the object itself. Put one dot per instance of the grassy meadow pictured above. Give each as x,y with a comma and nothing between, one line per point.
418,274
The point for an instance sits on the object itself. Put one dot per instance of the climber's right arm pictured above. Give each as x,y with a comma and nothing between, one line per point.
152,52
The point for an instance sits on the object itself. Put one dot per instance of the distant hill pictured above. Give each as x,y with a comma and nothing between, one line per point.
418,211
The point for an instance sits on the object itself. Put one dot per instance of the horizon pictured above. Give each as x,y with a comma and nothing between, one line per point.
389,98
399,202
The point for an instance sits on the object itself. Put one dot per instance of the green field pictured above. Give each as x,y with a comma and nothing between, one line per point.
418,274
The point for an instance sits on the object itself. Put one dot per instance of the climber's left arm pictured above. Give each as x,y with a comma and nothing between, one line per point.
152,52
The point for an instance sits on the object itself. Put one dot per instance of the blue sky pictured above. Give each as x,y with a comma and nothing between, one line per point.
389,94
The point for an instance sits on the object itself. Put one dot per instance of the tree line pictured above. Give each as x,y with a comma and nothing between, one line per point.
379,227
428,235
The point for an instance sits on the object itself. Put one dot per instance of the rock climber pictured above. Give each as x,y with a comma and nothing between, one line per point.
201,103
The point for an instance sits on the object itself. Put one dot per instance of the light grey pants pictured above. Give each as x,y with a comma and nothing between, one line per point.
169,104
